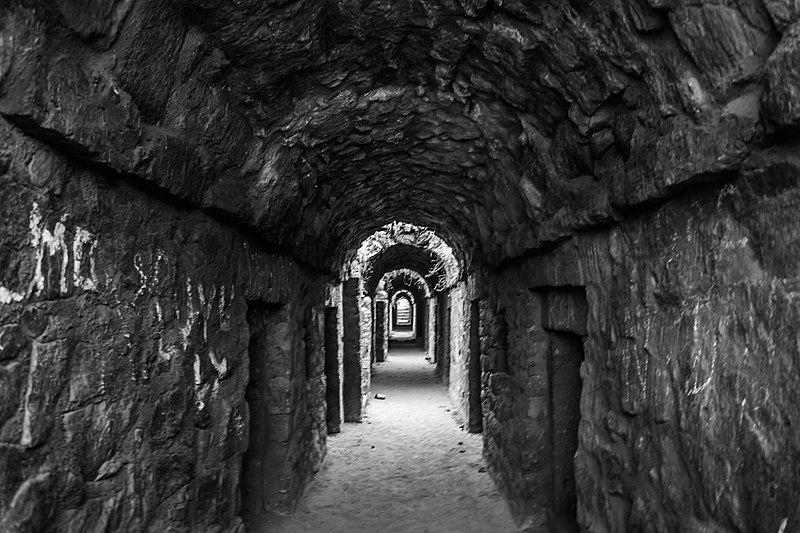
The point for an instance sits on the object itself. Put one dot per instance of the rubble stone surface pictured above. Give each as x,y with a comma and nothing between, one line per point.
626,172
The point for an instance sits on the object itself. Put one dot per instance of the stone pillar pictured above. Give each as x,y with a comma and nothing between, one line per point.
365,349
474,404
420,319
357,314
333,374
269,482
565,358
381,337
443,337
430,337
352,351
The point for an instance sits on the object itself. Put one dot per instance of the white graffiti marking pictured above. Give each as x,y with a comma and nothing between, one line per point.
8,296
220,366
83,238
48,243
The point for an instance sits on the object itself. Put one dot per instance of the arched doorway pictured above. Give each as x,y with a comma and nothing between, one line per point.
402,312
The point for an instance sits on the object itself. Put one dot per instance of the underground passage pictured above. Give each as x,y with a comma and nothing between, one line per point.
407,467
243,242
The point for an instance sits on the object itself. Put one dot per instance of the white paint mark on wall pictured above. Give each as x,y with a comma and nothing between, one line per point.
208,310
202,297
148,278
27,437
168,352
8,296
37,283
157,267
761,437
198,378
222,300
59,244
48,244
137,264
221,366
83,238
3,333
697,355
225,319
191,315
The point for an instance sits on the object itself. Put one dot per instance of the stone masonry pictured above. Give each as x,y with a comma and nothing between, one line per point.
184,186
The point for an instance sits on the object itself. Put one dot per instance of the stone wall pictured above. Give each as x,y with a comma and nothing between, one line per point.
689,408
442,346
124,356
380,341
357,355
285,405
458,383
421,320
334,359
351,355
309,458
430,330
365,353
516,426
650,158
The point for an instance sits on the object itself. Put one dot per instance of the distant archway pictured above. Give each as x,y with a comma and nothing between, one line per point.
402,313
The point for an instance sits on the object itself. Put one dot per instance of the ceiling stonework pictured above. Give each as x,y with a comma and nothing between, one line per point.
503,126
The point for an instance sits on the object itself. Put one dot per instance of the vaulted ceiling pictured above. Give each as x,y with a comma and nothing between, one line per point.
501,125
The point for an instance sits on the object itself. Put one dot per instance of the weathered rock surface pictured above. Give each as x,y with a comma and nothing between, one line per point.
689,399
783,76
505,122
125,354
167,166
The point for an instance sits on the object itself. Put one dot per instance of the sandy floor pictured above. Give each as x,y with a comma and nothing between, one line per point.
407,468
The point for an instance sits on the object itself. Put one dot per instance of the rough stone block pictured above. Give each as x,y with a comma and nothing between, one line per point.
12,386
720,40
95,20
32,505
557,268
783,12
48,364
644,17
93,433
279,396
12,342
537,407
87,375
168,415
565,311
34,322
687,154
782,87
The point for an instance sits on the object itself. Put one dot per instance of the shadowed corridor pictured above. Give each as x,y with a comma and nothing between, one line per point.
217,216
407,468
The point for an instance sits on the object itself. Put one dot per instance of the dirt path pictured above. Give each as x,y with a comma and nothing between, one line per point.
407,468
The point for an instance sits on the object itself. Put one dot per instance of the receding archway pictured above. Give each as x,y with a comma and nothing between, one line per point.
402,310
404,313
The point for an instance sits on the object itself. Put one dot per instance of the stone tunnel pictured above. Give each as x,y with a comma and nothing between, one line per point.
206,204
